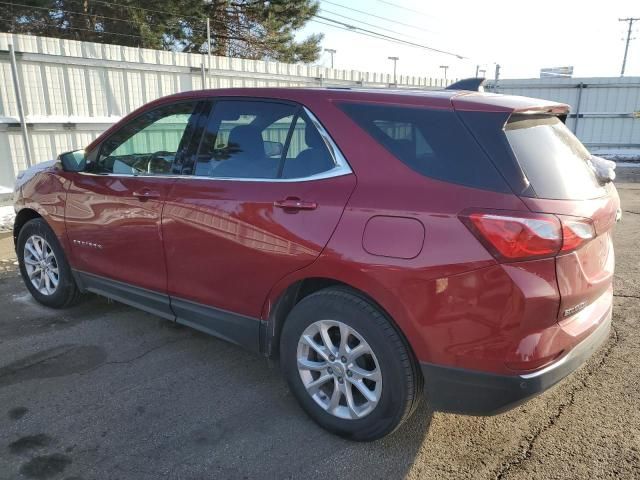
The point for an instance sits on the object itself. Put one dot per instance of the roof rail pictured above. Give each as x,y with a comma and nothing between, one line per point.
474,84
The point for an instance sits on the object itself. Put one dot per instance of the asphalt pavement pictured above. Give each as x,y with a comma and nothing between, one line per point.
103,391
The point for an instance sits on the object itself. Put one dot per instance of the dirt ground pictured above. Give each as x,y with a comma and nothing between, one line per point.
103,391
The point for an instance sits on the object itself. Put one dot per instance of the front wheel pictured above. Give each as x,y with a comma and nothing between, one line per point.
347,365
44,267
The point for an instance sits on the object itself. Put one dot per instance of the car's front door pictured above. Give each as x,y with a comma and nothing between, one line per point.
114,208
267,189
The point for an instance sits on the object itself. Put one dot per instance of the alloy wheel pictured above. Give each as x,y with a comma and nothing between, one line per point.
339,369
41,265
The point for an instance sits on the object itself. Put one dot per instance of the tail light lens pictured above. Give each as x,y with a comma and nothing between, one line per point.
576,232
514,236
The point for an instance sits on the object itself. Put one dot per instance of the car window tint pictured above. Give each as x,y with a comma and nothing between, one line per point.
245,139
307,153
431,142
149,144
555,162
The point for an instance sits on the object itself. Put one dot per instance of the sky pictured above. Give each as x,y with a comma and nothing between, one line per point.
520,36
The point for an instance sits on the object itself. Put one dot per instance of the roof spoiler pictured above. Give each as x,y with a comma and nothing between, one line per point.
474,84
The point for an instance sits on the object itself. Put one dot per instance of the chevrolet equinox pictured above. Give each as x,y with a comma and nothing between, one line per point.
376,242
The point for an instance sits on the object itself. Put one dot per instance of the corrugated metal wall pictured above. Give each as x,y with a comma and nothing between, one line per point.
73,90
605,112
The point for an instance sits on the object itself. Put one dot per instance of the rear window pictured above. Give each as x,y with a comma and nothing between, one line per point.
552,158
433,143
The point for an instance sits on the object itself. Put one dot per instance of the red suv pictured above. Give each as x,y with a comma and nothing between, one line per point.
372,240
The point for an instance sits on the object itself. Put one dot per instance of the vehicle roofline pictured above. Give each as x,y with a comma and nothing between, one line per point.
458,99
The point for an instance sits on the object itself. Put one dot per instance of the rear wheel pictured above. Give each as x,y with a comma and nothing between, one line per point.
44,267
347,365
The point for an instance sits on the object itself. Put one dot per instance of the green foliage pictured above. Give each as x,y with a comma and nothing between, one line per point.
257,29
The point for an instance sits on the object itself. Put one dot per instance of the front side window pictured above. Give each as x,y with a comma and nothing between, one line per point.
149,144
260,139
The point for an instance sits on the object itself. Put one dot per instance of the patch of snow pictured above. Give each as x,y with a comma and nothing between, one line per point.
619,154
7,216
30,172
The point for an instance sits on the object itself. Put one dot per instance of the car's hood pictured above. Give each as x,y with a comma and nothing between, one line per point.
25,175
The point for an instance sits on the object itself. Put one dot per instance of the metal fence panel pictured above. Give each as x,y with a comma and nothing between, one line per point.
72,91
605,112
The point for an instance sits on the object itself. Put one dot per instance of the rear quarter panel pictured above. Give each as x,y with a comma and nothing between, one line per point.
453,296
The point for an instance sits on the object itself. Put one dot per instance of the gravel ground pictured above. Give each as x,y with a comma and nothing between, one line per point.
105,391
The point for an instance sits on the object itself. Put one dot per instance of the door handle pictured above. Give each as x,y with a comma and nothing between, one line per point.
292,203
146,193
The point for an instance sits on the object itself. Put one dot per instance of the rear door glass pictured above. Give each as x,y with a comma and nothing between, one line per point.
431,142
244,139
552,158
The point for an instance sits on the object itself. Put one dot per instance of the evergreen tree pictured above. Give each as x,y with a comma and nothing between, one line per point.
257,29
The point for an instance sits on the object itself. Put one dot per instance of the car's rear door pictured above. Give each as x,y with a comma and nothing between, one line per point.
113,209
552,172
560,172
266,191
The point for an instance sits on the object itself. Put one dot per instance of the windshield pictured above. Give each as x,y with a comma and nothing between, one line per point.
552,158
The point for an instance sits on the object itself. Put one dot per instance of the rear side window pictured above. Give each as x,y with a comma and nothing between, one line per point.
552,158
261,139
434,143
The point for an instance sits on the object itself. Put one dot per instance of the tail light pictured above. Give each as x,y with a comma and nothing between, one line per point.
514,236
576,232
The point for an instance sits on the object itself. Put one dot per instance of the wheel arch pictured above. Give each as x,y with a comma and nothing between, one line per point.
22,217
278,308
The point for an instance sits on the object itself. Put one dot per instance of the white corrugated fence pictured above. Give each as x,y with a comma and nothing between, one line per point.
605,112
72,91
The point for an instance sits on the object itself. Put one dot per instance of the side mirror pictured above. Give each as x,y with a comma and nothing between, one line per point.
273,149
73,161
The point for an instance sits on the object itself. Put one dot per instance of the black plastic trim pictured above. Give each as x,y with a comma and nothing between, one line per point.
469,392
141,298
232,327
474,84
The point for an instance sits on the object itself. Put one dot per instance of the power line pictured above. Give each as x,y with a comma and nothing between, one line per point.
58,10
388,37
71,12
422,29
97,32
348,29
630,21
365,23
114,4
378,36
163,12
405,8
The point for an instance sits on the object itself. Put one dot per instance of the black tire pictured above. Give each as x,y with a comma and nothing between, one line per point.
402,382
66,293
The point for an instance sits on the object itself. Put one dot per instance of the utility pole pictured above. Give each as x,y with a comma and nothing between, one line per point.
630,21
477,70
331,52
497,72
395,60
445,68
209,51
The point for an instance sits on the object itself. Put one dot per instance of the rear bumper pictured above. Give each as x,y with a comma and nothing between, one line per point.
470,392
